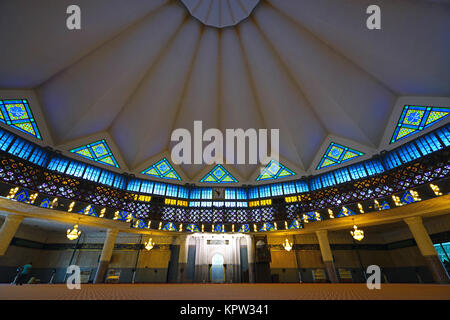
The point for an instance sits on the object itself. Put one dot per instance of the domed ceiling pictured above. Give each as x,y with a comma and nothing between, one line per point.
137,70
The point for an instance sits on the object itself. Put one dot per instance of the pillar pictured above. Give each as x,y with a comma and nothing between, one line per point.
250,259
8,230
105,258
182,259
327,256
427,249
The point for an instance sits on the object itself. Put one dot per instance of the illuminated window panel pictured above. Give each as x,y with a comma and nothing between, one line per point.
267,227
89,211
162,169
346,212
218,175
417,118
337,154
385,206
98,152
169,226
219,228
17,114
244,228
275,170
192,228
295,224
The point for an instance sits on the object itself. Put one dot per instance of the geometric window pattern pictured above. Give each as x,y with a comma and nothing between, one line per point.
407,198
274,170
417,118
218,175
267,227
385,206
162,169
89,211
244,228
346,212
17,114
337,154
169,226
22,196
46,203
98,152
295,225
192,227
219,228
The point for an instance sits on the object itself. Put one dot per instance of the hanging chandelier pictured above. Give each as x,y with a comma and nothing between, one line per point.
287,245
74,233
149,244
357,234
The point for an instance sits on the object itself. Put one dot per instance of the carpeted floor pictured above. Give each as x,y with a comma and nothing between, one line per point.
226,292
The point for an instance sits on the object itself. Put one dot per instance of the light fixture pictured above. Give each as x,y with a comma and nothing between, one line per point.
331,214
149,244
74,233
435,189
357,234
72,204
102,213
360,207
287,245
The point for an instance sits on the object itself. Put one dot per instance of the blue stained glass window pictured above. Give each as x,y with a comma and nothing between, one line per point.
253,193
58,164
162,169
407,198
264,191
160,189
106,178
328,179
277,189
21,148
134,185
301,186
98,152
39,156
169,226
91,173
443,250
244,228
428,144
22,196
5,139
275,170
146,186
219,175
444,135
230,194
17,114
417,118
46,203
342,175
357,171
172,191
183,192
230,204
408,152
295,224
373,167
337,154
75,168
289,188
346,212
119,182
391,160
241,194
267,227
315,183
89,211
207,193
192,227
196,193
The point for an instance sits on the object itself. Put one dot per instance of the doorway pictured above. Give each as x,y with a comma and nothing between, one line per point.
217,270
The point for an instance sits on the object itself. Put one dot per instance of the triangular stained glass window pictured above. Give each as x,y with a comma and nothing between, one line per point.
219,175
346,212
192,227
162,169
169,226
275,170
244,228
385,206
17,114
417,118
337,154
98,152
267,227
295,225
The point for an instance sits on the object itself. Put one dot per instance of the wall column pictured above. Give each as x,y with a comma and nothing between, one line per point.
327,256
427,249
105,258
182,259
250,259
8,230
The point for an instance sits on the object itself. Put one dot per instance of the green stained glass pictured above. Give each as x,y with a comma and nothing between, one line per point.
17,114
97,151
417,118
275,170
219,175
162,169
336,154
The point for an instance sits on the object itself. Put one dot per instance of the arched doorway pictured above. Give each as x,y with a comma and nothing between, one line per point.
217,269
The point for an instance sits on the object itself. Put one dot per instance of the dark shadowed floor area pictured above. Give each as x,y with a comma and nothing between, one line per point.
226,292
